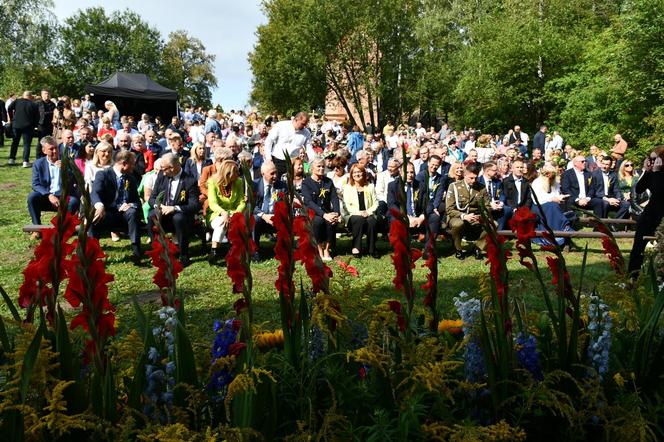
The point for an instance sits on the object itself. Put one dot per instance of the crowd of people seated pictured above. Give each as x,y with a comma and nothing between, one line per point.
350,179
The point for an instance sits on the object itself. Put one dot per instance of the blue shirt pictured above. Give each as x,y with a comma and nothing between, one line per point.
54,174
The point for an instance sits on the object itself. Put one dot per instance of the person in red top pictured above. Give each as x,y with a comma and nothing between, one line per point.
106,128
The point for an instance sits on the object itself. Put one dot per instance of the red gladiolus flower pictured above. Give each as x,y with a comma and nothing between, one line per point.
348,268
237,324
45,271
240,305
235,348
395,307
431,286
497,264
168,268
88,288
612,251
237,259
403,257
362,373
307,253
567,285
282,249
523,223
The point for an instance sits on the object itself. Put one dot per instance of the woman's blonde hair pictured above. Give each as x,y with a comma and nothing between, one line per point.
102,146
546,170
227,173
453,168
194,150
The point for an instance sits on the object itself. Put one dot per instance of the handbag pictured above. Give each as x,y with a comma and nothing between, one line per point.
9,133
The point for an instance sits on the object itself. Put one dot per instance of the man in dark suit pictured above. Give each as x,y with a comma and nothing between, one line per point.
500,211
516,191
25,116
419,211
46,109
539,139
607,188
266,189
179,205
436,184
47,185
578,183
3,119
116,202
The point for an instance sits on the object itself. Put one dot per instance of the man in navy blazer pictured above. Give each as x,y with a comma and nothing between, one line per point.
115,199
435,184
47,185
418,209
578,183
607,188
266,189
500,211
179,205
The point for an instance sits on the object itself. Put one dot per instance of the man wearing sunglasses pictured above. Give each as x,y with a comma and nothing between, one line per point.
608,188
579,184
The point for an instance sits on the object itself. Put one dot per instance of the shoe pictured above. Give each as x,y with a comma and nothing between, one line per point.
213,256
184,260
459,255
256,258
137,260
27,165
326,258
375,255
478,254
571,247
356,254
115,237
35,236
11,162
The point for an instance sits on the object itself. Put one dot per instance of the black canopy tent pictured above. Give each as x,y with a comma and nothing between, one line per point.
135,94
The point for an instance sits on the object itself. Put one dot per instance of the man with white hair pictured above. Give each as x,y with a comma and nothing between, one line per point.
266,189
288,136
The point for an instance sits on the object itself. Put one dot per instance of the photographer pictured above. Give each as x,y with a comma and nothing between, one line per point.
652,179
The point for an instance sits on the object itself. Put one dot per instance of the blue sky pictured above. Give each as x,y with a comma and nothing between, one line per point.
225,27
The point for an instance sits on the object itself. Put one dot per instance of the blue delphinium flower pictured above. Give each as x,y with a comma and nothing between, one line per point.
226,334
160,369
527,355
474,363
599,329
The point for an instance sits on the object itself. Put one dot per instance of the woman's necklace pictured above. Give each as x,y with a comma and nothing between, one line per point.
226,192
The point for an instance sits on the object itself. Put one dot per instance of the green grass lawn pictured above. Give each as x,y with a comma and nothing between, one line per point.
208,289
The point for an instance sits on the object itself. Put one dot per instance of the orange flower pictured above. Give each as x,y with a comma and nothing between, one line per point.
451,326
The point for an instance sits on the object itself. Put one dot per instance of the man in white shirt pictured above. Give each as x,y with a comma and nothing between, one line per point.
126,129
419,130
578,183
290,137
383,179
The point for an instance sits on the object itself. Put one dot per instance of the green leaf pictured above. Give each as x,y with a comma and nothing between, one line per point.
137,384
10,305
110,393
4,338
185,363
29,360
69,369
141,320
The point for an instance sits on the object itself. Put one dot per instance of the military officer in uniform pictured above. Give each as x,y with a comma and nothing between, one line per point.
463,210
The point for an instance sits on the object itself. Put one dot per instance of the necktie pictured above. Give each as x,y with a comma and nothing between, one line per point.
266,199
122,194
409,200
169,182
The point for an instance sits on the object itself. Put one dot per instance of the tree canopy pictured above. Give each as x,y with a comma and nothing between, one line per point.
590,68
37,51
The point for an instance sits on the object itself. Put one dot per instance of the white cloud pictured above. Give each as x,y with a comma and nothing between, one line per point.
226,28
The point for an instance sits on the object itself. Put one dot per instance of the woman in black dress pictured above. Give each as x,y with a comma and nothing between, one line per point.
320,195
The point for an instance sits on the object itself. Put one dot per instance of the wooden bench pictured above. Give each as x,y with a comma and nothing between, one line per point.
580,234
